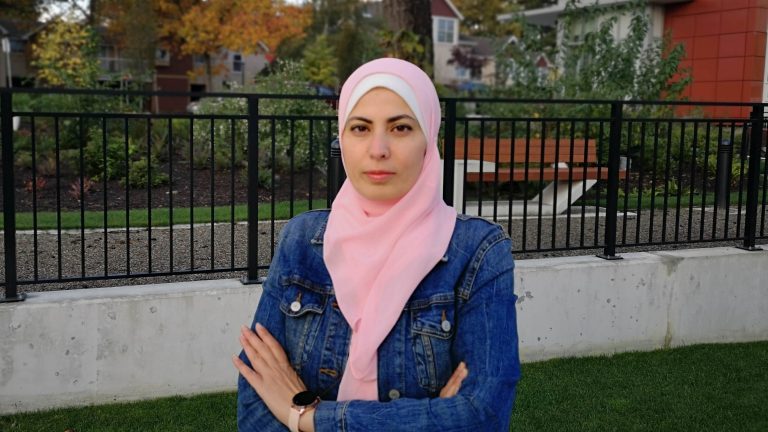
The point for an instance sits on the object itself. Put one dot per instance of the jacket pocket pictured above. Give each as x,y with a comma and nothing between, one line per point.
432,329
302,303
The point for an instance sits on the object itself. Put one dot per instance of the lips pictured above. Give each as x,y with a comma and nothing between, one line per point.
378,176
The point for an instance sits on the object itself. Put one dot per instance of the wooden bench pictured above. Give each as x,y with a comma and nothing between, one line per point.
563,165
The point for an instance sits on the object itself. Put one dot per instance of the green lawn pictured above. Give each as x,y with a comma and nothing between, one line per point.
721,387
160,216
686,199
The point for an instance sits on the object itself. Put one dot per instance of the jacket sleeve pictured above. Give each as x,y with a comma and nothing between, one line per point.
252,413
486,340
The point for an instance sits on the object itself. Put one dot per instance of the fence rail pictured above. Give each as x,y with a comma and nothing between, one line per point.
94,193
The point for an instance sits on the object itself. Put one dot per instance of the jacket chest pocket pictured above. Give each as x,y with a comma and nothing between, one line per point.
303,305
432,330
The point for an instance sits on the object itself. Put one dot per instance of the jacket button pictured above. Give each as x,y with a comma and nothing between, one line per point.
394,394
446,326
295,306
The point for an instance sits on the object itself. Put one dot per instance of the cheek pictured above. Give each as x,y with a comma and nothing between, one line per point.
417,157
350,156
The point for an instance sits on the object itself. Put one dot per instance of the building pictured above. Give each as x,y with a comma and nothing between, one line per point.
445,38
16,70
724,40
172,71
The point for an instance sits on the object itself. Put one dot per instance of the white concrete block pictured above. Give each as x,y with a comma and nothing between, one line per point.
77,347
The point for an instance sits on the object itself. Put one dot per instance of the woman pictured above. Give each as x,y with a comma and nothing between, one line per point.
389,312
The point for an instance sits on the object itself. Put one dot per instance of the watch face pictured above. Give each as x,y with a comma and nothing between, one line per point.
304,398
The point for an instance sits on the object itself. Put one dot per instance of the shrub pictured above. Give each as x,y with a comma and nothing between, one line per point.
139,174
292,136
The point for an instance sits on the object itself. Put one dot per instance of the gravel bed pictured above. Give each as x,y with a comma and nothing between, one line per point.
214,248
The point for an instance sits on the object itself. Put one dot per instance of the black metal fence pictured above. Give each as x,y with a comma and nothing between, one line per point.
102,193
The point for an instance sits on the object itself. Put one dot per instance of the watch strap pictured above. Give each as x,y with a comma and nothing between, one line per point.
293,418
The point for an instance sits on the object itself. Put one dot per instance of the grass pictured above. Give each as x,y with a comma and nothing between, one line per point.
160,216
139,218
672,199
697,388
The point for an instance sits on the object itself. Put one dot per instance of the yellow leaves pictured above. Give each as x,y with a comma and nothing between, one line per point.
64,55
240,25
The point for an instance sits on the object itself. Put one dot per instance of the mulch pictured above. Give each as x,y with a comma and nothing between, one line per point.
189,187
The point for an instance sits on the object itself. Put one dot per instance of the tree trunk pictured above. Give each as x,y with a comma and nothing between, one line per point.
414,16
208,73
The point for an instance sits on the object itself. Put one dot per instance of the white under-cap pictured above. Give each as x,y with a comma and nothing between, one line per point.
389,82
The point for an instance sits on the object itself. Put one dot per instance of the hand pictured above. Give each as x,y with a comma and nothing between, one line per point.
270,374
453,385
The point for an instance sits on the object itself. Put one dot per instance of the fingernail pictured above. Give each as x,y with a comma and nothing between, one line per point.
259,326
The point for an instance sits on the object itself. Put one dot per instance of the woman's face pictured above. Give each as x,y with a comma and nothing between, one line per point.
383,146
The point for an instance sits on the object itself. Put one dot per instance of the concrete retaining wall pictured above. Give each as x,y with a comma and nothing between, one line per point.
80,347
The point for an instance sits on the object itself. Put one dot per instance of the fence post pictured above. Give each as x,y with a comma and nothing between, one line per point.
252,277
723,173
449,151
9,198
612,206
335,171
753,177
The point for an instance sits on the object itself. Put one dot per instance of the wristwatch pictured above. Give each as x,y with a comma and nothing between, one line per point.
302,402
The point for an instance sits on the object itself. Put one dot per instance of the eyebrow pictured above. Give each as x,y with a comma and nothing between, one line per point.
389,120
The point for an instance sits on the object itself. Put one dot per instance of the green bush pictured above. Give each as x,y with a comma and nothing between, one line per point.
115,148
139,174
316,115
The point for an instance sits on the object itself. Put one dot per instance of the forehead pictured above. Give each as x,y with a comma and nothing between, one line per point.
381,101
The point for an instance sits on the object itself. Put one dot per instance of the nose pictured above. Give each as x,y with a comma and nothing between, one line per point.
379,147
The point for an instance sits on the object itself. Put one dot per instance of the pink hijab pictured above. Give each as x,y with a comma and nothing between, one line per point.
377,253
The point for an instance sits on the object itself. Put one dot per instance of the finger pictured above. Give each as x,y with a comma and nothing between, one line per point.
259,346
453,385
249,374
274,346
253,356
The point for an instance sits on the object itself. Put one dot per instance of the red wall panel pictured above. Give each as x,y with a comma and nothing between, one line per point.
725,43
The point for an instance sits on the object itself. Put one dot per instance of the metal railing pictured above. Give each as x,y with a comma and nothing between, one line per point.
93,195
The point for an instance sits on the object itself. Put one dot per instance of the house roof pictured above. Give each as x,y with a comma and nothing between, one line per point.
446,8
547,16
442,8
18,29
480,46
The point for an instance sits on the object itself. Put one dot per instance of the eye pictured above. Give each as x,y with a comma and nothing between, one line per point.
358,128
402,128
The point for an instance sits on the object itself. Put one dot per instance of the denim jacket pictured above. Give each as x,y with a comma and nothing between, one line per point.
463,310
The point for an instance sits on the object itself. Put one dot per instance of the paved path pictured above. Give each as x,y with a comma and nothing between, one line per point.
228,245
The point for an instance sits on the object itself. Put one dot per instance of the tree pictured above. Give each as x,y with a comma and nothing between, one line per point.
414,16
66,55
320,63
133,26
595,65
480,17
238,25
22,10
405,45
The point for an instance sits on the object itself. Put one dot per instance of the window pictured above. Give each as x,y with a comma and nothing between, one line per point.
162,57
445,30
461,72
196,88
237,63
17,45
